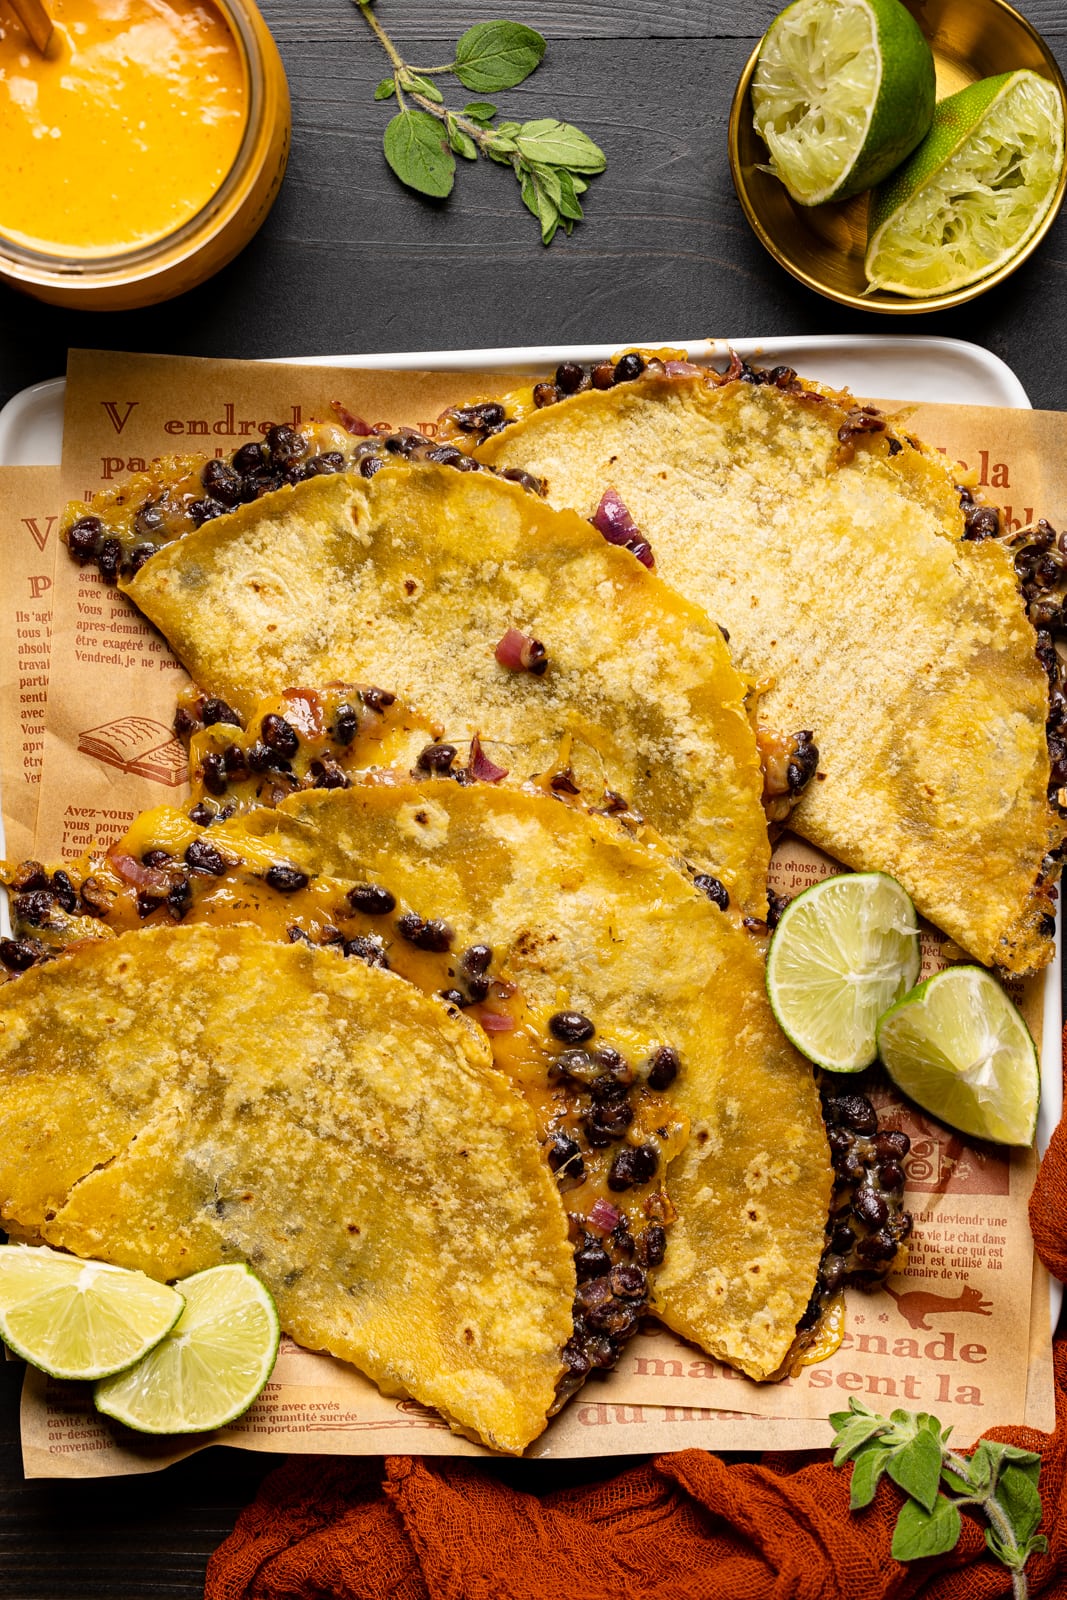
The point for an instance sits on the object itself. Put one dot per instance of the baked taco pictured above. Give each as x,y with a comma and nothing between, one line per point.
514,627
182,1097
835,551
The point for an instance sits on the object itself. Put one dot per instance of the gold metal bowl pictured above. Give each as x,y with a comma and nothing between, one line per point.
824,246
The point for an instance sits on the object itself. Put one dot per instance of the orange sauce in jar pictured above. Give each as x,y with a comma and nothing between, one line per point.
124,131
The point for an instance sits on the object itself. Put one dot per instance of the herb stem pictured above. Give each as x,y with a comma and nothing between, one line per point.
483,137
380,34
1000,1524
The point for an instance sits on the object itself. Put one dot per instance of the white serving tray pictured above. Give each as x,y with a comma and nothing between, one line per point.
944,371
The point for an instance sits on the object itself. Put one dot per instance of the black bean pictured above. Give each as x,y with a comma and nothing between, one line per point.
84,537
636,1164
628,368
591,1261
109,560
29,875
185,724
891,1145
285,444
367,948
215,710
782,376
776,904
345,723
869,1206
455,997
445,455
614,1319
325,773
891,1175
981,522
564,1152
603,375
878,1247
64,890
201,814
286,879
473,419
35,907
251,458
373,899
628,1281
545,394
149,520
652,1245
201,511
425,933
203,857
376,699
18,955
156,858
279,735
437,758
221,482
213,772
855,1111
139,555
716,892
570,377
663,1067
571,1027
329,462
476,958
620,1239
576,1064
235,761
842,1239
526,479
370,465
611,1117
849,1167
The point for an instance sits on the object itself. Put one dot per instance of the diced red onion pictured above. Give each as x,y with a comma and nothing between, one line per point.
520,653
130,870
496,1021
351,424
683,369
612,519
604,1215
481,768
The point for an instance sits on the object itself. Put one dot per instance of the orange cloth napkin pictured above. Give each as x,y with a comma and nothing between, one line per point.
682,1527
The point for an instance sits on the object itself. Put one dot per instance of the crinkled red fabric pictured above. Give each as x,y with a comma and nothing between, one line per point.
683,1527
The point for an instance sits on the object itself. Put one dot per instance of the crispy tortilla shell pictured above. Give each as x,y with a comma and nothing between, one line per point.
411,579
177,1098
835,560
584,917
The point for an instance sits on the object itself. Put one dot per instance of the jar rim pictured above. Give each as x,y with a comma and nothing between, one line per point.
57,265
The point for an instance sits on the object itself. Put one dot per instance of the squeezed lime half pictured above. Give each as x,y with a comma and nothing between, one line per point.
974,192
843,91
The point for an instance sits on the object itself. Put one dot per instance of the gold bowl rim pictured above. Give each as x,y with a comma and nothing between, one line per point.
881,300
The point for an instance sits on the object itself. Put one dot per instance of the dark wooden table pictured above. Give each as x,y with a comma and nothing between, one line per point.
349,261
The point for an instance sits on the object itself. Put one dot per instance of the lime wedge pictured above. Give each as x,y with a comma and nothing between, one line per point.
79,1319
843,92
843,951
960,1049
211,1365
977,188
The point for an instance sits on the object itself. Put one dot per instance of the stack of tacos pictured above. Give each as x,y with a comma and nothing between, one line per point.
507,736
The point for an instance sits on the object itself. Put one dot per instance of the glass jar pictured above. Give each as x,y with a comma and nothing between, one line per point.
185,257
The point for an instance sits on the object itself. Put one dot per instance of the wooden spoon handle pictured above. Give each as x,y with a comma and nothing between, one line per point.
33,14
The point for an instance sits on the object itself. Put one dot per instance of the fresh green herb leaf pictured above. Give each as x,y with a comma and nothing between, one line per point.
916,1468
548,182
423,86
920,1533
558,144
461,142
568,198
1020,1502
867,1469
497,55
480,111
416,149
385,89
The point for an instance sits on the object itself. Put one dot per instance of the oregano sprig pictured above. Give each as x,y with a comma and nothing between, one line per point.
998,1481
552,160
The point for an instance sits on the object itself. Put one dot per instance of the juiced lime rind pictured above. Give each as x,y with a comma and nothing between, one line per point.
844,950
80,1319
952,214
843,91
960,1049
210,1367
